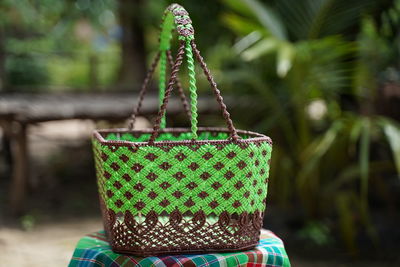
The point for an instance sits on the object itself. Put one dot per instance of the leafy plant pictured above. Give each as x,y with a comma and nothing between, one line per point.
322,151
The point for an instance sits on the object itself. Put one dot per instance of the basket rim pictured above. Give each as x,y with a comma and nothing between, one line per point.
256,137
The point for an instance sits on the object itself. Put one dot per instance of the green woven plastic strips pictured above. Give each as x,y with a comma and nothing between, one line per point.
209,177
165,40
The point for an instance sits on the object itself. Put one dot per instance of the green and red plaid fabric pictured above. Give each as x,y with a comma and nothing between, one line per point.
94,250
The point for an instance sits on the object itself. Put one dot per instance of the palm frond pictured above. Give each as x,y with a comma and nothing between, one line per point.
241,25
269,18
392,134
310,19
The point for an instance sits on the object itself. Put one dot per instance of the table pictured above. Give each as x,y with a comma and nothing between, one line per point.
93,250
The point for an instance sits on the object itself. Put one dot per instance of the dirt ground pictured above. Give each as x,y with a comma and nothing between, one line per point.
47,245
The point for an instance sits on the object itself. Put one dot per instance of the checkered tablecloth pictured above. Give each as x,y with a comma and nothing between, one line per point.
94,250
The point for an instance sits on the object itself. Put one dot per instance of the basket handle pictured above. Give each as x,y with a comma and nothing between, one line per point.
145,85
176,15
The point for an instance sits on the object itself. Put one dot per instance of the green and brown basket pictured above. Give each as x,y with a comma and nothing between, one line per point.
176,190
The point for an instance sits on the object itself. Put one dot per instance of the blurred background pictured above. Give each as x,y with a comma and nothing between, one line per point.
320,77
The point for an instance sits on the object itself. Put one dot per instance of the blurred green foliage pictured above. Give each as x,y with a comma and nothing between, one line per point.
28,222
317,66
317,232
24,69
317,72
49,44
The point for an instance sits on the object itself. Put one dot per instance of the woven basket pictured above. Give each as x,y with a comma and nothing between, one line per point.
171,190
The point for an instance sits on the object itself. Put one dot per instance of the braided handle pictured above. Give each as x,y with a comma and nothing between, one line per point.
177,15
143,90
174,15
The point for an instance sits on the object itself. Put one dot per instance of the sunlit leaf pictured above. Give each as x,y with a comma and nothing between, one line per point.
392,133
320,146
286,53
268,18
247,41
261,48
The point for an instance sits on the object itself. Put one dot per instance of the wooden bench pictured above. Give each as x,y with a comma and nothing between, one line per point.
18,111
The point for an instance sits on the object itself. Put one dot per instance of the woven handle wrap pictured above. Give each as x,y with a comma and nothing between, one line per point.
177,16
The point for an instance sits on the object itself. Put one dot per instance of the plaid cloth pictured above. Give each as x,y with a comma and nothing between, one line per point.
94,250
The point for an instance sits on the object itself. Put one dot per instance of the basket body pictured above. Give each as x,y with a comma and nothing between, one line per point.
179,195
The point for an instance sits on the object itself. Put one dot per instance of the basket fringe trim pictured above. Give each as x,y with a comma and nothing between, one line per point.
178,233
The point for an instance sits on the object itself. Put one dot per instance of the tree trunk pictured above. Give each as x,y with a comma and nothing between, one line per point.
2,61
133,55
